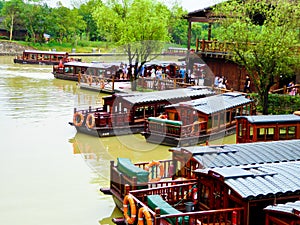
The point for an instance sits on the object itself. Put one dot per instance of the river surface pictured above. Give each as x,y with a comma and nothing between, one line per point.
50,174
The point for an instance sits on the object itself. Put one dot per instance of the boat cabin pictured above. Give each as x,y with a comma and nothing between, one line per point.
283,214
126,113
267,128
186,160
89,72
227,195
42,57
193,122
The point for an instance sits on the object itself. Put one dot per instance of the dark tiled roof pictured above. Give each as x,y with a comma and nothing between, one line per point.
289,208
216,103
168,95
244,154
262,181
271,118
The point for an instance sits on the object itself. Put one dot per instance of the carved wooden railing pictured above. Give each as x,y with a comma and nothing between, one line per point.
176,195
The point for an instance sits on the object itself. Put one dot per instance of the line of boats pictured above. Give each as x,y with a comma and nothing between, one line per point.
253,182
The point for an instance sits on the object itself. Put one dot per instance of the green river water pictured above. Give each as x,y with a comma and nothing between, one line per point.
50,174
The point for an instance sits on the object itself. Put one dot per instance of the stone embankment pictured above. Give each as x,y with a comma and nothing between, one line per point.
11,48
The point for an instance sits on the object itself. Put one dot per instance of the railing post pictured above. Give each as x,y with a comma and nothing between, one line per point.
127,189
111,173
157,216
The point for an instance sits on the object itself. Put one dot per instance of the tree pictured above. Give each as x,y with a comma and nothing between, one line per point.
36,20
265,36
67,24
139,26
85,10
11,11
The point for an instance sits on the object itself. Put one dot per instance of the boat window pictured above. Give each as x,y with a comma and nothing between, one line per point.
282,133
240,130
233,114
204,195
251,132
46,57
222,118
292,132
228,116
215,122
209,122
264,134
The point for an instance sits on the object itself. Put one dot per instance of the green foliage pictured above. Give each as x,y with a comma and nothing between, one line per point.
265,36
278,103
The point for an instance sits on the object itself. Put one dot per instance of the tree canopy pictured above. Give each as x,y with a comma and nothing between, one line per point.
265,35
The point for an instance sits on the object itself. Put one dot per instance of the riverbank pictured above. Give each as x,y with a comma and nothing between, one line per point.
11,48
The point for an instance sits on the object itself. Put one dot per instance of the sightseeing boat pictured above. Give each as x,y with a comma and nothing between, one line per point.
267,127
43,57
283,214
196,121
123,114
126,176
221,196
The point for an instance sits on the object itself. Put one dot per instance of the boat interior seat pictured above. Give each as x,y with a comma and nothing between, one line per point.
127,168
156,201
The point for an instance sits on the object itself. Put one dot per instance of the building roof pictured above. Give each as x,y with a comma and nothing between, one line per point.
168,95
245,154
257,119
292,208
264,181
215,103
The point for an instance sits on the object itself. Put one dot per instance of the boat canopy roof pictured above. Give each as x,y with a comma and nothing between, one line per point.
169,95
99,65
258,119
45,52
243,154
260,181
215,103
292,208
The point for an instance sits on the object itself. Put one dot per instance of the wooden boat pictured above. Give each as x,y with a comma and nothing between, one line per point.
227,195
126,113
283,214
126,176
71,71
267,127
43,57
193,122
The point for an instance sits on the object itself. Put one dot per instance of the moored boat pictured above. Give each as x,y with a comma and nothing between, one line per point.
126,113
267,127
228,195
196,121
43,57
127,176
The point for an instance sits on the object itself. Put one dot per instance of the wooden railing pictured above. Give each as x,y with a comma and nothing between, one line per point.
162,84
120,180
178,194
194,129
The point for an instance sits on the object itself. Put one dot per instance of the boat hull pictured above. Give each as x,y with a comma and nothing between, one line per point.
110,131
65,77
186,141
22,61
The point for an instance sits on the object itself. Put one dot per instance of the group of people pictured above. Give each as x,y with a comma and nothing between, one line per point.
220,82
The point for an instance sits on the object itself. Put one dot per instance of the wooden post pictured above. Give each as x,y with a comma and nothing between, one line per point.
113,83
111,174
127,189
157,216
